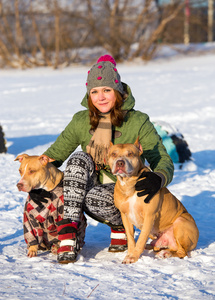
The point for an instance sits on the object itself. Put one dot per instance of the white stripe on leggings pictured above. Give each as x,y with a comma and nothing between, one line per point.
68,243
118,236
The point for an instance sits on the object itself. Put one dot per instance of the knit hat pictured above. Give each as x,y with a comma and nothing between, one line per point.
104,73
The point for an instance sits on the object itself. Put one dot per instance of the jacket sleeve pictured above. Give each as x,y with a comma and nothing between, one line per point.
154,151
65,144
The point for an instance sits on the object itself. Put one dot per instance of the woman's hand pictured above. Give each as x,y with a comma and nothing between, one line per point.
149,184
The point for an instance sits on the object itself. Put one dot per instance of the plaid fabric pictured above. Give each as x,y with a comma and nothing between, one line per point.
39,224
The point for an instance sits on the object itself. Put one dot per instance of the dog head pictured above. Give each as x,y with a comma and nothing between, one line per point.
34,172
124,159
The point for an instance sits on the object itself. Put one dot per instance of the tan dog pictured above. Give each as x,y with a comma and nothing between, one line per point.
37,172
164,219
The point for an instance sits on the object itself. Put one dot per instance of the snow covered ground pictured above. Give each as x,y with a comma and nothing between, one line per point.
35,106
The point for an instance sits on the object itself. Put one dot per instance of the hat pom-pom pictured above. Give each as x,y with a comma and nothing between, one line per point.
107,58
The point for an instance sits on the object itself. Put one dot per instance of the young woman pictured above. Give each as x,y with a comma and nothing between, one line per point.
88,182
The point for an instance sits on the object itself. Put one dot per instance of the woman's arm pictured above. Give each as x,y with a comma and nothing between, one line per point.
65,144
155,152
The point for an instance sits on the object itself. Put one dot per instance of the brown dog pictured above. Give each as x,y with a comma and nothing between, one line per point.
37,172
164,219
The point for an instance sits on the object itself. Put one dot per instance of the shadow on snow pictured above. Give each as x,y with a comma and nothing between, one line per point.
21,144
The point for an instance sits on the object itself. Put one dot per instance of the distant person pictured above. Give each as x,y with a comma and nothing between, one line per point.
88,182
3,148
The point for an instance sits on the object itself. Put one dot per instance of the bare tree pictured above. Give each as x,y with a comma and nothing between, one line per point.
210,20
196,28
148,46
52,33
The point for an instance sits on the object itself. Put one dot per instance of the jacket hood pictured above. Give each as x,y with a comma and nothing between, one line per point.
128,104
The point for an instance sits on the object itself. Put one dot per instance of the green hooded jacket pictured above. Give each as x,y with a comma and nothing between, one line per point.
135,124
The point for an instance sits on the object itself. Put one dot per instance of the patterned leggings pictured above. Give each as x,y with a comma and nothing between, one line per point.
81,193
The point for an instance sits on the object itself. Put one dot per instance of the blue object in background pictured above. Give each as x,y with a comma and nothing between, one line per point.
168,143
174,142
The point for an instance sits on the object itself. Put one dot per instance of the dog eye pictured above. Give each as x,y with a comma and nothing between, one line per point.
130,154
32,171
113,154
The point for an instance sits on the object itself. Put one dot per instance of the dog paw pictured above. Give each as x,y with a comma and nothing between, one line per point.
164,254
32,251
130,259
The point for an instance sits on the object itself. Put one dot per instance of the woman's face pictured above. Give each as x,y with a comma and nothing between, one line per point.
103,98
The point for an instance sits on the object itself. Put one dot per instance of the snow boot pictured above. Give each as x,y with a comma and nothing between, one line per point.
68,251
118,240
69,245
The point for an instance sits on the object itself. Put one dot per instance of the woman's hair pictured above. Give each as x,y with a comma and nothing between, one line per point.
117,114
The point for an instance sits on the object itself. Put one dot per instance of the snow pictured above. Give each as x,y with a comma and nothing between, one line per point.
36,105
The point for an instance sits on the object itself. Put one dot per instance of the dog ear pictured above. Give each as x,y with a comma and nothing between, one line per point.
138,145
21,157
110,145
44,159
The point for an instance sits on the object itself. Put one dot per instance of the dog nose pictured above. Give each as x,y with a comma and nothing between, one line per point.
19,186
120,163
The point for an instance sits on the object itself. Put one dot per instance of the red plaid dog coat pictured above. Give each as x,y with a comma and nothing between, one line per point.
39,223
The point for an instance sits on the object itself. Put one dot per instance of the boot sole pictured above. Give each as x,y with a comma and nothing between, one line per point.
66,261
117,250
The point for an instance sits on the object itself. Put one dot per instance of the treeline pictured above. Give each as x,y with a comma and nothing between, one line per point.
60,32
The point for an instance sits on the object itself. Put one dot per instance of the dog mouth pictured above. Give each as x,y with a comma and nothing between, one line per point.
24,188
119,171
